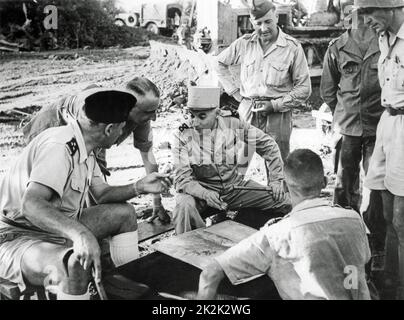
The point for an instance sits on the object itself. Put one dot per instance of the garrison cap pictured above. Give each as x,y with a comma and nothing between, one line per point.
259,8
363,4
109,106
203,98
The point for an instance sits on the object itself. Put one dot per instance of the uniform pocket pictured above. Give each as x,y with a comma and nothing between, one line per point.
248,69
349,76
278,74
73,197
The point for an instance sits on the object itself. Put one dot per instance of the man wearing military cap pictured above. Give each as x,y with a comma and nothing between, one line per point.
386,169
205,152
274,76
46,236
139,124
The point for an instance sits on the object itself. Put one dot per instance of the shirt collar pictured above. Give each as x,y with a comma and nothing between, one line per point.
281,41
80,141
309,204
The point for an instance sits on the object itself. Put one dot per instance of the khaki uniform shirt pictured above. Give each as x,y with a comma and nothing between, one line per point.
309,255
281,73
391,69
209,159
57,159
68,109
350,86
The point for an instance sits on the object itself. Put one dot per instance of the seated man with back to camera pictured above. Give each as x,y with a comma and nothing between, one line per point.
316,252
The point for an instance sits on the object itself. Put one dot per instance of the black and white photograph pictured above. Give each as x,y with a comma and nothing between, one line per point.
217,151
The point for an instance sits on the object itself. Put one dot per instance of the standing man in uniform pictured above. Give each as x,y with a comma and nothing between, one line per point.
206,164
386,169
350,87
139,123
274,77
46,236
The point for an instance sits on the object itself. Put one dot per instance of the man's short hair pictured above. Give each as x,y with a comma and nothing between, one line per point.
305,171
141,86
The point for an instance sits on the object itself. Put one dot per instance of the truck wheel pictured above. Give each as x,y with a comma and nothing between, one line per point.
152,27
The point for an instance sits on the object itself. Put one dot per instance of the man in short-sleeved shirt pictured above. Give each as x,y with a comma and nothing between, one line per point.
45,234
274,77
68,109
309,254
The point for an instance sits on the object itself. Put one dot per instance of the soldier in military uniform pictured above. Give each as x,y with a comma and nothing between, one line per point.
46,237
205,152
308,253
386,168
274,76
139,124
350,87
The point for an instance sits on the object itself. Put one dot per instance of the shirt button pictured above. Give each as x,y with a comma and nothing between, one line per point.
388,79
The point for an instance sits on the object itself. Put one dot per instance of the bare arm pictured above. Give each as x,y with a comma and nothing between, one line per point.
37,208
151,166
209,281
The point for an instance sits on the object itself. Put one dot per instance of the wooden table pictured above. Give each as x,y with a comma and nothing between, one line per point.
165,274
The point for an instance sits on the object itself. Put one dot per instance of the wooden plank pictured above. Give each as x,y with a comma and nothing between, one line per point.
198,247
148,231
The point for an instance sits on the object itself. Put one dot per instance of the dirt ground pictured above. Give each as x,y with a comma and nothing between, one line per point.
38,79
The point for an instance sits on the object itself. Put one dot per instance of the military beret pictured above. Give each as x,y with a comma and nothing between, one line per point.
110,106
259,8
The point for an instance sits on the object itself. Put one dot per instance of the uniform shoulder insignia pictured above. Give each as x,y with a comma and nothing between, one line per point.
332,42
273,221
72,146
247,36
183,127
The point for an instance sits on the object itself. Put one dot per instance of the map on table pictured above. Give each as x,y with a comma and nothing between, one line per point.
199,246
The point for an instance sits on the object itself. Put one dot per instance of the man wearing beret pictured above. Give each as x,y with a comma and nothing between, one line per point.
139,123
205,153
46,236
274,76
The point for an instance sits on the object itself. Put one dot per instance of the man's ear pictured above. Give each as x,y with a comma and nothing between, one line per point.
108,129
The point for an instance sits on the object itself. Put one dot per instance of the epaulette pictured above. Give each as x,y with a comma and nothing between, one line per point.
247,36
72,146
183,127
273,221
332,42
290,38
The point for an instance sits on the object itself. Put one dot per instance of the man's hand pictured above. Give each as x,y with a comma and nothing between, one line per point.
155,183
214,201
278,192
265,107
161,213
88,251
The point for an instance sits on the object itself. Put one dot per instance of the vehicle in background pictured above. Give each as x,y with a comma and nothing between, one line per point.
157,16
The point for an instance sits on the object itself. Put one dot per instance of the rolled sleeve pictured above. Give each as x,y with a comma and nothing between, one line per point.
51,167
248,260
301,85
